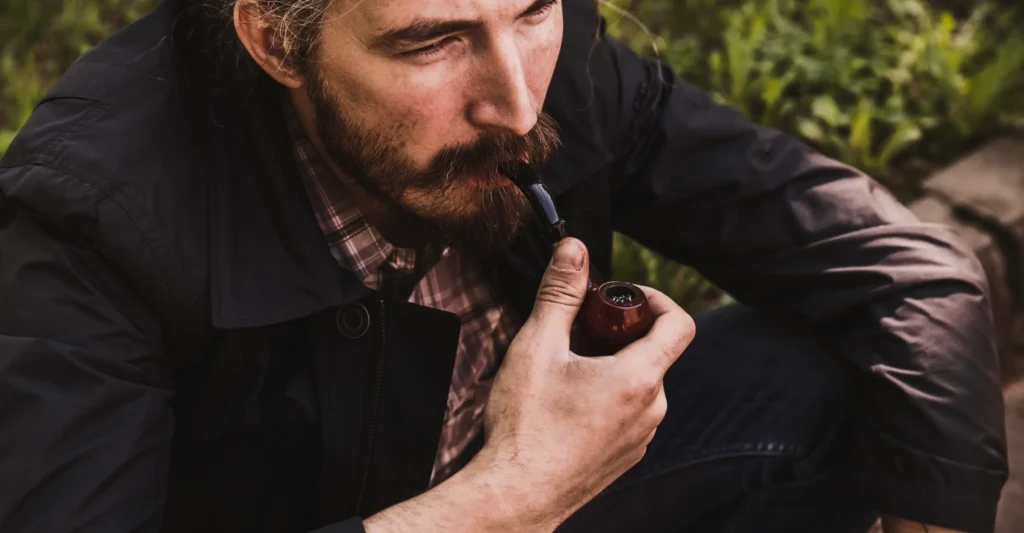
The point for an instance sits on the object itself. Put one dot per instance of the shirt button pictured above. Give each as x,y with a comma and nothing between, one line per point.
353,320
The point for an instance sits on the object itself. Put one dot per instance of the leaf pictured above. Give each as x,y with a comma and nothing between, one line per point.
901,139
825,108
810,130
772,93
839,145
994,80
860,131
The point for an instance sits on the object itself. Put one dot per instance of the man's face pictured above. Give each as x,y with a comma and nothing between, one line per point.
426,103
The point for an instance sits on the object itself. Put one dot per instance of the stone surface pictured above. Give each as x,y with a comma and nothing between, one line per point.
1011,506
988,183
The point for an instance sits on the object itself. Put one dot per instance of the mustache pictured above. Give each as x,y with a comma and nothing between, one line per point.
493,155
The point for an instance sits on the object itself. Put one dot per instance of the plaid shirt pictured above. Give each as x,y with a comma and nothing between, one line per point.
454,283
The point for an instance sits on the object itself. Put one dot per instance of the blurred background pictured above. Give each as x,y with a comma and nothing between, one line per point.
897,88
925,95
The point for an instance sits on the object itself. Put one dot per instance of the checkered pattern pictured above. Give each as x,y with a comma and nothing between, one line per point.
453,283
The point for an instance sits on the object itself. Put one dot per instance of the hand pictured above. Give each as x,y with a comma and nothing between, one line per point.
893,524
559,427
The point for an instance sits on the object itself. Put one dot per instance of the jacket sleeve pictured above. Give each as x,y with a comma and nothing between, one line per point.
783,228
85,419
85,424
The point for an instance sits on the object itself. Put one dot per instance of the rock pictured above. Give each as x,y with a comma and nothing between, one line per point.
1011,513
988,184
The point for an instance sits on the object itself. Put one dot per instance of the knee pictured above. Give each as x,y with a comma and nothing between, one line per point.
775,375
774,351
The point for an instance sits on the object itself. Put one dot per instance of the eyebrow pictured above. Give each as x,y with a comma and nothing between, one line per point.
423,29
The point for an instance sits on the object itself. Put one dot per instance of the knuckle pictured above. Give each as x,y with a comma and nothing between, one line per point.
638,455
660,408
649,437
688,327
643,387
558,291
682,333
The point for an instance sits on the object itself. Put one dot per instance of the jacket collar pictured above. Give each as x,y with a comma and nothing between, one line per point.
268,259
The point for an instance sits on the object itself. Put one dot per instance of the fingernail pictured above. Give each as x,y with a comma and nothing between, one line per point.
568,255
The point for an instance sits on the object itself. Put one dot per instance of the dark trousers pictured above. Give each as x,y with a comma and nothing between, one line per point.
754,439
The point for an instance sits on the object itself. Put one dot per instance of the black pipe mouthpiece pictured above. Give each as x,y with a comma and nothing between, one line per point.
529,181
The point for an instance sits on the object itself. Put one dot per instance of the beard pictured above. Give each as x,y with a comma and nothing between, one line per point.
450,201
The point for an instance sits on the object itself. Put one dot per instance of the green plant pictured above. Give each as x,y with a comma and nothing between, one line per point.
634,262
866,81
894,87
39,39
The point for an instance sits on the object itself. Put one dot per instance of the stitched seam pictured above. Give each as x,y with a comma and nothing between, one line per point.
76,127
105,195
732,451
131,75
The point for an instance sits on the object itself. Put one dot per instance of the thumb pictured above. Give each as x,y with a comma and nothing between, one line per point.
563,287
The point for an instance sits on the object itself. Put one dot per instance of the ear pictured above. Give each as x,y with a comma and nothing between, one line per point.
261,39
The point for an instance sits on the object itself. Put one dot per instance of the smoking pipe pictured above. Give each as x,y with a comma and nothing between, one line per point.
615,313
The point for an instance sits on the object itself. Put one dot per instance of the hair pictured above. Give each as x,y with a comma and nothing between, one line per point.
297,24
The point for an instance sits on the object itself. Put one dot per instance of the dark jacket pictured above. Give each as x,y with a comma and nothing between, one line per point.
170,351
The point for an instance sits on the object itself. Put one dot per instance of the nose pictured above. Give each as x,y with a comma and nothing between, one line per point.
504,102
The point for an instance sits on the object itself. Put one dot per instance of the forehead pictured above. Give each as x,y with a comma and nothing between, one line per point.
380,15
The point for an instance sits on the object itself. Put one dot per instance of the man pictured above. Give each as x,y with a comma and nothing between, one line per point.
261,263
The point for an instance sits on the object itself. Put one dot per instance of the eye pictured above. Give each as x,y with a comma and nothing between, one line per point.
432,49
540,10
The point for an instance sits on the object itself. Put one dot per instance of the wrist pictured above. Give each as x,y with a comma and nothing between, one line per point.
486,496
503,490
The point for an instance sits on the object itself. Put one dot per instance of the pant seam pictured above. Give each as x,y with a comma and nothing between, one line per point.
732,451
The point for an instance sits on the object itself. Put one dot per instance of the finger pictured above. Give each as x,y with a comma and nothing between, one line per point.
650,437
660,302
664,343
562,288
660,407
657,413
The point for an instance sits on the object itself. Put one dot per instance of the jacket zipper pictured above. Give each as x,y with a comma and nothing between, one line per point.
371,422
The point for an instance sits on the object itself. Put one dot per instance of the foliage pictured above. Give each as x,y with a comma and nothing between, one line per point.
633,262
40,38
894,87
880,84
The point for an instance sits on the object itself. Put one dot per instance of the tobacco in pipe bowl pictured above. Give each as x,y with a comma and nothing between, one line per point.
613,315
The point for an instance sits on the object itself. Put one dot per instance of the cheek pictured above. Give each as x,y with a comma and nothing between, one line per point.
540,62
418,118
429,120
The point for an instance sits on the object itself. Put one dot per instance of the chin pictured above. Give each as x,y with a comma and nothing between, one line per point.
482,220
